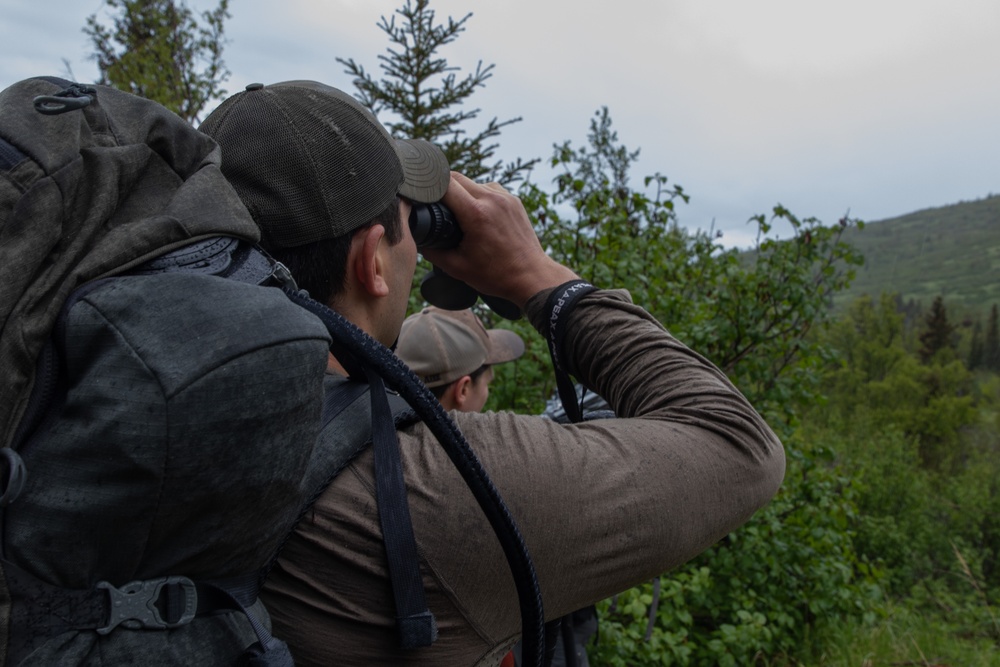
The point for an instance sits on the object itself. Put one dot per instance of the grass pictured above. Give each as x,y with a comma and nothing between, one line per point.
902,637
943,630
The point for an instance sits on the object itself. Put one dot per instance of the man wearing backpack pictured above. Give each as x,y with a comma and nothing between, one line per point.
602,505
161,392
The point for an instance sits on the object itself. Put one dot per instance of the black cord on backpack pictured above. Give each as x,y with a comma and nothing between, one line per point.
352,340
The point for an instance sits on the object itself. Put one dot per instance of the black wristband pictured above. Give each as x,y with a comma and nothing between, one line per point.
560,302
558,305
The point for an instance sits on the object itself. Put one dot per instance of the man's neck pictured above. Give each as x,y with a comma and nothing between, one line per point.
356,315
333,366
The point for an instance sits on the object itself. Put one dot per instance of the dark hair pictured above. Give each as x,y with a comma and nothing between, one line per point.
321,267
474,376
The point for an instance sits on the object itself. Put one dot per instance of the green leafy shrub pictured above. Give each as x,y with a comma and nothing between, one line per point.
759,592
749,312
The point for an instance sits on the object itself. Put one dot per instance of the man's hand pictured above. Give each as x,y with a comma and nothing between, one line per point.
499,254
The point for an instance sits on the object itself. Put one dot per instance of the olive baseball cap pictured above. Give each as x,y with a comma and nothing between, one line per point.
441,346
311,163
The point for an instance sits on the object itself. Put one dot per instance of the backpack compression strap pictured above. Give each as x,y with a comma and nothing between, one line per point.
40,611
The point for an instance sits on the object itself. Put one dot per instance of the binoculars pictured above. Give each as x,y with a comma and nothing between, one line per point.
435,226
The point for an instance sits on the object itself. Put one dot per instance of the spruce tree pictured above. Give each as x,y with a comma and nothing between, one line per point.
158,50
936,335
424,96
977,348
991,347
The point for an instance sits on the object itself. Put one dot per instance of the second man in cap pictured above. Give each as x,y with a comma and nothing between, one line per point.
453,354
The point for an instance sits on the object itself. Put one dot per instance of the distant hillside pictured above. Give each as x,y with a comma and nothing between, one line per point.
953,251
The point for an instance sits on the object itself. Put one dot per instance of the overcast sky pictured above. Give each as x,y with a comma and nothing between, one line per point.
873,107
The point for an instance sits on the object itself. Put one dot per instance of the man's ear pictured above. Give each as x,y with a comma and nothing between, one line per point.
369,266
461,389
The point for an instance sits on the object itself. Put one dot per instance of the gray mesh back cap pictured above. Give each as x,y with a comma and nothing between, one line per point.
311,163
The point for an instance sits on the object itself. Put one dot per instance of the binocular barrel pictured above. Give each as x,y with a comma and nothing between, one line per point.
434,226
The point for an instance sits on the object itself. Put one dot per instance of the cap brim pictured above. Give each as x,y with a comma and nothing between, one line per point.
425,170
504,346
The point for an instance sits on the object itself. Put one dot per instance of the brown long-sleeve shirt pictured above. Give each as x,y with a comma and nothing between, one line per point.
602,506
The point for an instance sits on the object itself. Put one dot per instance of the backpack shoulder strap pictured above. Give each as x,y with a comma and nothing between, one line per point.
347,428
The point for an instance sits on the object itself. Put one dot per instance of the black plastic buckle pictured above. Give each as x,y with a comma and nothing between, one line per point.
134,604
283,277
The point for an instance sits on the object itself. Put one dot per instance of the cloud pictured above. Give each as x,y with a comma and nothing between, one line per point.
877,106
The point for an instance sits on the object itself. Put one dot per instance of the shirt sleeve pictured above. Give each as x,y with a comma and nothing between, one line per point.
602,506
606,504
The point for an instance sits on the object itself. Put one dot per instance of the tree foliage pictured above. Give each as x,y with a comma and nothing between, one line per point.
918,437
749,312
977,348
761,591
937,333
753,314
991,348
425,95
872,375
157,49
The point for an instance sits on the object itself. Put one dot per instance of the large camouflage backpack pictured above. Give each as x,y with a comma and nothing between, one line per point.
160,398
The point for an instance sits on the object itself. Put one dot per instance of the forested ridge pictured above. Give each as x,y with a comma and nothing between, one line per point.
951,251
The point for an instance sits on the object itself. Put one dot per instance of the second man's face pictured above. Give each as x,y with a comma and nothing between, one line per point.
479,392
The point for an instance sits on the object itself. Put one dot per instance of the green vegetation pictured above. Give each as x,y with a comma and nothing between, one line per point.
751,318
158,50
882,546
425,97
